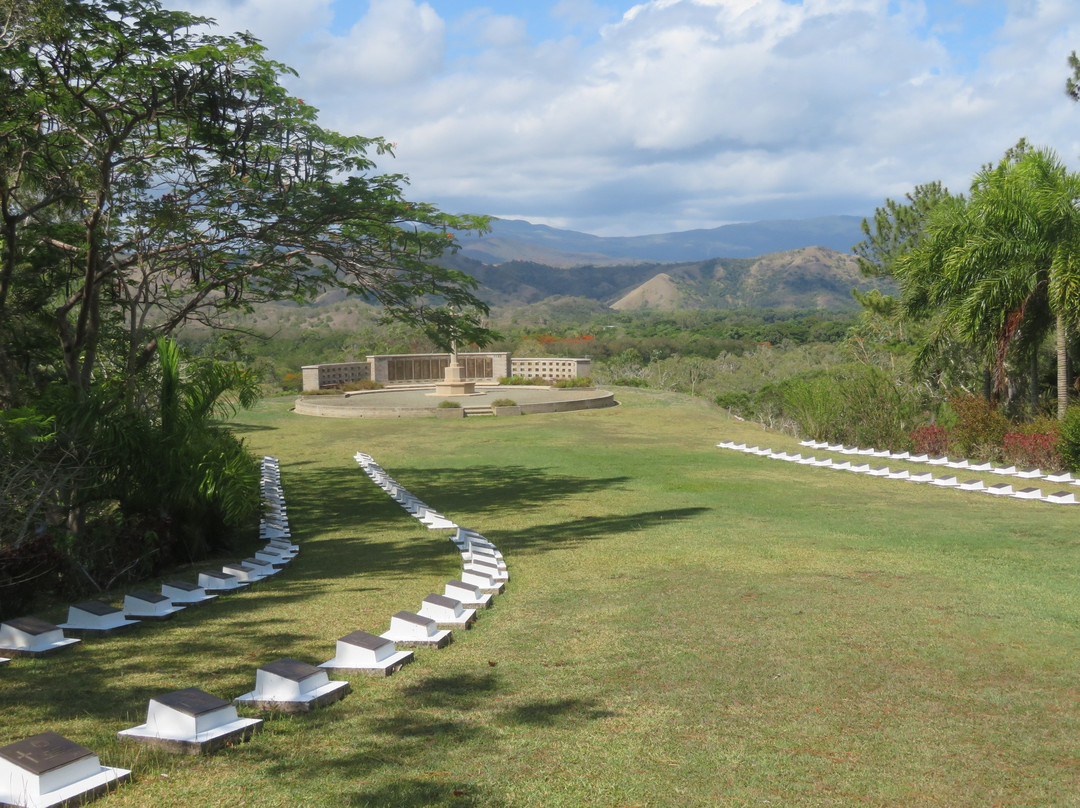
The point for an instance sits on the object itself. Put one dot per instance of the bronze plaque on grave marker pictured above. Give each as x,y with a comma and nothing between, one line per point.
44,753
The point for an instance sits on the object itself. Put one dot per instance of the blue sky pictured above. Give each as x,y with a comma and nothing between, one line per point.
622,118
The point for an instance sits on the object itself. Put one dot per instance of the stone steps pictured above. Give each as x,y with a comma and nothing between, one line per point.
469,412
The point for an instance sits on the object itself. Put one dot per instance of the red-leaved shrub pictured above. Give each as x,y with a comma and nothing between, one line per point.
1039,449
931,440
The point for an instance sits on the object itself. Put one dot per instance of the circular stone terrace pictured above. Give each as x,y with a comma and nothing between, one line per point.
420,401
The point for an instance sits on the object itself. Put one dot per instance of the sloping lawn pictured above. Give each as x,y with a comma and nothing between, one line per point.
684,626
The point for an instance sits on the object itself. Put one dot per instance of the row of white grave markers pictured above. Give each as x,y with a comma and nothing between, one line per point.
483,567
860,466
48,769
30,636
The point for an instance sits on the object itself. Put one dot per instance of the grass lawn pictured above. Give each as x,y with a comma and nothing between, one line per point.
684,626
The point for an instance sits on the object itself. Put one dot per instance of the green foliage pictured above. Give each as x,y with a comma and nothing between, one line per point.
155,173
504,402
449,405
978,429
852,404
522,380
579,381
896,229
1069,442
1001,270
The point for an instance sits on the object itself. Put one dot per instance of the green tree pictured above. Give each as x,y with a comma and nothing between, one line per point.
152,173
897,228
155,173
1003,268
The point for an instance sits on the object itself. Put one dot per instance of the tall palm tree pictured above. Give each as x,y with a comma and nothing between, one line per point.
1003,267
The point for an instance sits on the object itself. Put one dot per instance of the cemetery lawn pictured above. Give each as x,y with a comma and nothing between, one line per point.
684,626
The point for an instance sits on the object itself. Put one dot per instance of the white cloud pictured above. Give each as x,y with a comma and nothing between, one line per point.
396,43
682,113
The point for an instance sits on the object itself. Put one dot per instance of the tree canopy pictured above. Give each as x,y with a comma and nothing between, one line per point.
1003,267
154,172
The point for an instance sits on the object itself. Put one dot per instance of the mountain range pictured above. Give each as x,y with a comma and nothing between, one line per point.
515,240
775,264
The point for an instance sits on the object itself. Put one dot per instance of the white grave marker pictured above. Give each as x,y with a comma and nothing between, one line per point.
1059,477
48,769
191,722
149,605
95,617
366,653
410,630
447,612
1028,493
291,686
1062,498
182,593
30,636
242,572
214,581
946,481
470,596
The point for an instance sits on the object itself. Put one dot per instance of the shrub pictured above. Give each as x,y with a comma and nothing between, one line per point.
736,401
580,381
1069,442
630,382
853,404
292,382
362,384
931,440
1039,449
449,405
504,402
538,380
980,429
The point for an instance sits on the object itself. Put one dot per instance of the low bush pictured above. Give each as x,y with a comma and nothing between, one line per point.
537,380
853,404
449,405
979,431
580,381
504,402
930,440
348,387
1069,442
1039,449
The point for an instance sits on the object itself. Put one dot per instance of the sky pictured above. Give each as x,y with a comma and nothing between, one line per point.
616,118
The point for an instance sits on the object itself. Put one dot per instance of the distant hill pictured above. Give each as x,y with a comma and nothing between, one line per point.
514,240
659,292
809,277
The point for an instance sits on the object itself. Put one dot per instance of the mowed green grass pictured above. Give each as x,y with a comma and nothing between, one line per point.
684,626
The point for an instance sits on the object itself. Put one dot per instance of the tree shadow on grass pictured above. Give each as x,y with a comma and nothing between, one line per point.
484,489
443,715
556,712
564,535
416,793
